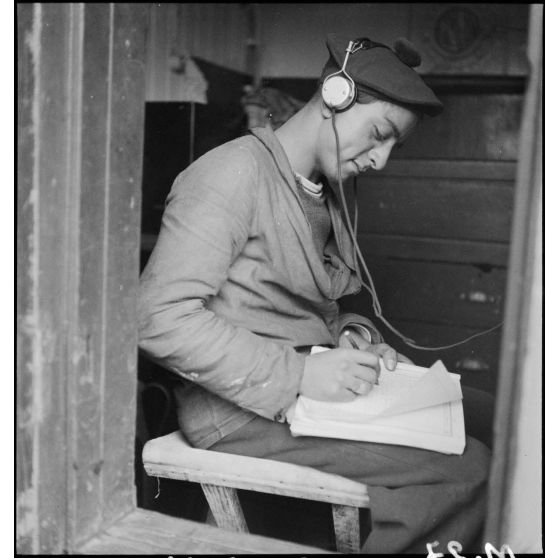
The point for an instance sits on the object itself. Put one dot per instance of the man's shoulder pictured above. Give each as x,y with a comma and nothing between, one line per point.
243,147
232,166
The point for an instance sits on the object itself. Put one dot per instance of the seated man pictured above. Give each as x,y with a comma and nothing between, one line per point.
252,256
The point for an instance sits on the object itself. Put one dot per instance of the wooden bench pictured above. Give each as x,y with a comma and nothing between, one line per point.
220,474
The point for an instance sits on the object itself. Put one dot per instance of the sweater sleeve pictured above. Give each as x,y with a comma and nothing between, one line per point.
360,323
205,226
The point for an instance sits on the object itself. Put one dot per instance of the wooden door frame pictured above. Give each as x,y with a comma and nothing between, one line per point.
80,131
516,338
81,93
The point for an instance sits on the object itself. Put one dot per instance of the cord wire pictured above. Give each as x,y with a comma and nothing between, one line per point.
357,252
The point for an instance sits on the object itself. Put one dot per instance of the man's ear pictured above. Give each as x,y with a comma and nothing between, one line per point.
325,110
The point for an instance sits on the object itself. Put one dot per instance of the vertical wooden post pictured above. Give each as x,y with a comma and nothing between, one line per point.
27,337
81,103
518,330
347,528
225,507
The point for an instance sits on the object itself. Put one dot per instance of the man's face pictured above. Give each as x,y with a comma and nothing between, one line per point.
367,134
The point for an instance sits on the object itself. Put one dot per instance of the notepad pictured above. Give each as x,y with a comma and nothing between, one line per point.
412,406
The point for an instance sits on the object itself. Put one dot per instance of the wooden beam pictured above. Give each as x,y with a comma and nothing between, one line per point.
51,264
86,397
27,237
520,290
79,158
422,248
457,208
124,155
449,168
146,532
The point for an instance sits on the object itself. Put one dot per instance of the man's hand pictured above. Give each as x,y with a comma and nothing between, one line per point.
351,337
339,374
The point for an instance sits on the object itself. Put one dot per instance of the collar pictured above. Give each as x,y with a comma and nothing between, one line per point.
310,187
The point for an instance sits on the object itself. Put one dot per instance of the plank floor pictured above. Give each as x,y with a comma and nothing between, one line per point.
148,532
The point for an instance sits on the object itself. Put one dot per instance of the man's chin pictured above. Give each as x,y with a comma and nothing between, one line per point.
345,175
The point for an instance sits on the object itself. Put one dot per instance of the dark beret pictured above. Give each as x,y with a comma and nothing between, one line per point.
388,72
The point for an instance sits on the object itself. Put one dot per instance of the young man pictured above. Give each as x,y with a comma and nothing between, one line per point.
252,255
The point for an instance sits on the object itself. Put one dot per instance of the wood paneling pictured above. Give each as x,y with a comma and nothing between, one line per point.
435,207
480,353
436,292
484,255
473,127
448,168
291,47
81,102
214,32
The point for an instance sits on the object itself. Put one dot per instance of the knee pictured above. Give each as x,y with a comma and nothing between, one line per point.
475,462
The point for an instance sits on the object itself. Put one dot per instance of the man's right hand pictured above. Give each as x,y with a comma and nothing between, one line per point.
339,374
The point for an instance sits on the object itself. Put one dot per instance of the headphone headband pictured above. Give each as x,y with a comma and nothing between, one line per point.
339,89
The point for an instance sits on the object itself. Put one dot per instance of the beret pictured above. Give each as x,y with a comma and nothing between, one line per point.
388,72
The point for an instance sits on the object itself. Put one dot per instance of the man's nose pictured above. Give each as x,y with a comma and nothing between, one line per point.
379,155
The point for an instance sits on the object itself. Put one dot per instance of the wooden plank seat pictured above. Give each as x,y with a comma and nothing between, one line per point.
220,474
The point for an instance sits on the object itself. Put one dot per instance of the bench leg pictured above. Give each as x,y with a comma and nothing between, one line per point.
210,518
225,507
347,528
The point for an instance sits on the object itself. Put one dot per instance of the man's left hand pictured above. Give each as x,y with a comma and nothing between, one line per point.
381,350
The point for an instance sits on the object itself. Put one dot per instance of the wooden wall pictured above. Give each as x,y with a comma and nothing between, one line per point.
435,229
217,33
467,39
435,224
80,104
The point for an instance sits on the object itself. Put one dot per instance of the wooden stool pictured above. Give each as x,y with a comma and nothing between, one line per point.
220,474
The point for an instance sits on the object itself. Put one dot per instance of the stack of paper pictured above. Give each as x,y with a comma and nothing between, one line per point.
412,406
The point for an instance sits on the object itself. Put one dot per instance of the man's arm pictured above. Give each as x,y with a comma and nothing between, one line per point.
205,226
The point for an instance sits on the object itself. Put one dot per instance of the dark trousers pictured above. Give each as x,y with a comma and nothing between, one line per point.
416,496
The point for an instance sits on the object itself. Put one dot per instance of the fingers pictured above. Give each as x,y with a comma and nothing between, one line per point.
388,355
367,374
365,358
360,387
366,366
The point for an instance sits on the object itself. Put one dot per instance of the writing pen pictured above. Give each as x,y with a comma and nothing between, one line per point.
354,345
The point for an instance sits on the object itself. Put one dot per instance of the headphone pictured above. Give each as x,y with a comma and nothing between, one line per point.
339,89
339,93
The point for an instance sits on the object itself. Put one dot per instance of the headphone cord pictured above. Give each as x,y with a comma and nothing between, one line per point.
370,286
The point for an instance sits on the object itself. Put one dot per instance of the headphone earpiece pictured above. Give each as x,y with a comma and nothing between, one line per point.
338,92
338,89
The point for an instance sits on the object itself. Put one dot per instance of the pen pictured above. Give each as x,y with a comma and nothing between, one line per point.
354,345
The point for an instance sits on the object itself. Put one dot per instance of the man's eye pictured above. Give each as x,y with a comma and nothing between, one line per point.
378,135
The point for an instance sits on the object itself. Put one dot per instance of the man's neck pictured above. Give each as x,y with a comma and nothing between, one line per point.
298,138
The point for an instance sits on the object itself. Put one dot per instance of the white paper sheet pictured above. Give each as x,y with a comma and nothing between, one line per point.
407,388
